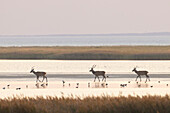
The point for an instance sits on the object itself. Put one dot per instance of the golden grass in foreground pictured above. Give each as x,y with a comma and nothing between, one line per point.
104,104
87,53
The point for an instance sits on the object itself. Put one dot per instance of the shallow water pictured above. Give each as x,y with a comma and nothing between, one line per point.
16,74
82,90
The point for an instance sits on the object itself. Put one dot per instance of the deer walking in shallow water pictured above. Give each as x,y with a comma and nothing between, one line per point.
141,73
97,73
39,74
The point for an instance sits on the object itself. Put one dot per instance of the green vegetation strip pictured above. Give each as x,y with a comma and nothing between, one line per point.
103,104
87,53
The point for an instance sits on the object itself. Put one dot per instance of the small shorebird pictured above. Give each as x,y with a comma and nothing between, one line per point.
123,85
63,82
77,85
43,85
107,84
8,86
18,88
89,84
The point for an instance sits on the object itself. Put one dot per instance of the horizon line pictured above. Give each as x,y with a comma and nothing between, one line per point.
102,34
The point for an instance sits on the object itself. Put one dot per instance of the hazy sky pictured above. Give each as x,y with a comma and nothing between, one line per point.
21,17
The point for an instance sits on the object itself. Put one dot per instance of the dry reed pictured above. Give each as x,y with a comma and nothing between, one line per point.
103,104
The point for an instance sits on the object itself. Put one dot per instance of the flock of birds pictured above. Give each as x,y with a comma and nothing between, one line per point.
78,84
8,86
88,85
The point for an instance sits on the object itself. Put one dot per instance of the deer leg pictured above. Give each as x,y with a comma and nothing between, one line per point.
98,79
94,78
148,77
43,79
46,79
103,78
37,79
140,78
137,78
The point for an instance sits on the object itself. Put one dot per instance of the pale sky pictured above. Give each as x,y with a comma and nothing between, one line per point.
42,17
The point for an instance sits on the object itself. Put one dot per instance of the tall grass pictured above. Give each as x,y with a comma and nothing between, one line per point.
88,53
103,104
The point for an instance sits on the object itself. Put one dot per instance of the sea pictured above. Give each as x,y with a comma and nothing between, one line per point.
84,40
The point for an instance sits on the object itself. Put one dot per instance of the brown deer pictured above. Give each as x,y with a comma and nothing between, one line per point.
39,74
97,73
140,73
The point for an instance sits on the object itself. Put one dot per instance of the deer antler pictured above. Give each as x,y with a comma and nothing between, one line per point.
137,66
93,66
33,67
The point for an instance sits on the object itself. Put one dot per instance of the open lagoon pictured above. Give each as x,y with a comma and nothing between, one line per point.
16,73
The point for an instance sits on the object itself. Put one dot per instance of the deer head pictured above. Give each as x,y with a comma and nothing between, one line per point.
134,69
92,68
32,70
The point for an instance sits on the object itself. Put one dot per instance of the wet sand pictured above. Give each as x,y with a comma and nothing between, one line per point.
82,88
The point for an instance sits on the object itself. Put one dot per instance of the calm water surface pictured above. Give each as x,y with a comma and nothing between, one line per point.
83,40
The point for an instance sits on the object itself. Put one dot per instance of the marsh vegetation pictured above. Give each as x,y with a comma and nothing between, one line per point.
87,53
102,104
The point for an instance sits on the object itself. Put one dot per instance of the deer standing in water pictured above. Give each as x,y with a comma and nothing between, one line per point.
140,73
39,74
97,73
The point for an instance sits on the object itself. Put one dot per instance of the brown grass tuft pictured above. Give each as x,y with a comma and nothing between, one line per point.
103,104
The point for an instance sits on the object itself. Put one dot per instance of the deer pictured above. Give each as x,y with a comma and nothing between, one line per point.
141,73
39,74
97,73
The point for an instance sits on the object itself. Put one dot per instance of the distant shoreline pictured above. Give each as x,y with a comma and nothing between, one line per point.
87,53
155,39
104,34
